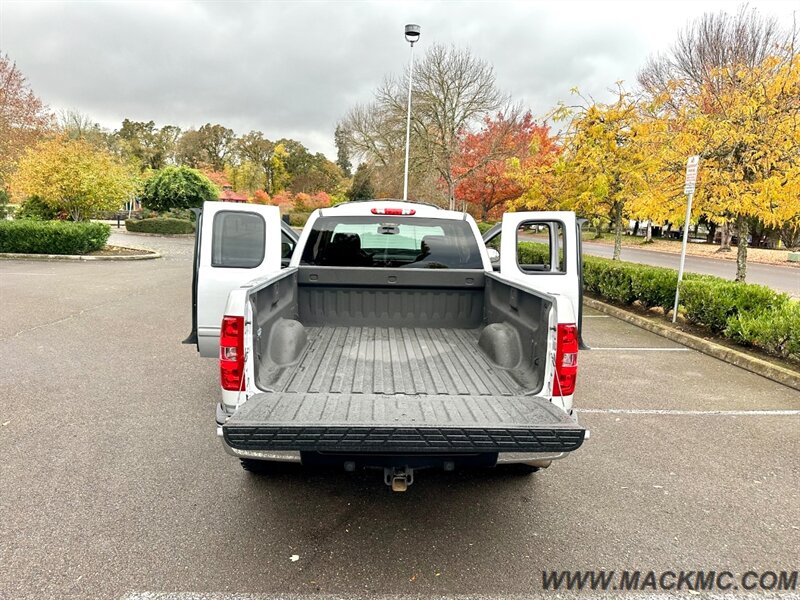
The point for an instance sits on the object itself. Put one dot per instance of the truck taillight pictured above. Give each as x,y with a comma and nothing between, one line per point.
393,211
231,353
566,360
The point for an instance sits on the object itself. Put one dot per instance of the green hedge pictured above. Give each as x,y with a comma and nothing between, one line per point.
52,237
164,225
298,219
714,302
748,314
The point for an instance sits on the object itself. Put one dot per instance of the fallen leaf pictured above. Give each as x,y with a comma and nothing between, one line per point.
294,558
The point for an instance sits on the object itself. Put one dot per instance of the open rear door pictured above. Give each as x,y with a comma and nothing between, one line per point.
539,250
238,243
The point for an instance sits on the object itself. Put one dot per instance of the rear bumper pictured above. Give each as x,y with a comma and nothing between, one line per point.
503,458
270,425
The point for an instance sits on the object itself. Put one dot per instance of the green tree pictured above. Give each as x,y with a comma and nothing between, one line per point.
217,143
73,176
151,147
342,151
362,185
177,187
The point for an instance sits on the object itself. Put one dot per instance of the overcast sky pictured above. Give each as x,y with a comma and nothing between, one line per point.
292,69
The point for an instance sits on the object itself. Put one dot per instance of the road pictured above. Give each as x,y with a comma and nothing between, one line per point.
115,486
785,279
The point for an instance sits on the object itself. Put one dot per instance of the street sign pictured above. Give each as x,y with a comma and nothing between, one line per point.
688,188
691,174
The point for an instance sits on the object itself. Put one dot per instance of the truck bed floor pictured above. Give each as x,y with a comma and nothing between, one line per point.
382,360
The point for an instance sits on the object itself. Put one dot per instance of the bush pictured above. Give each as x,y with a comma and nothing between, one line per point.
484,227
35,208
713,302
752,315
52,237
775,331
298,219
163,225
177,187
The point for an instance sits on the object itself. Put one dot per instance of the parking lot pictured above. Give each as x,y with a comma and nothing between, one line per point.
114,484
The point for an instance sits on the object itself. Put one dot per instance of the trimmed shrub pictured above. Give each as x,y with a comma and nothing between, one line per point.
36,209
177,187
713,302
162,225
484,227
775,331
298,219
52,237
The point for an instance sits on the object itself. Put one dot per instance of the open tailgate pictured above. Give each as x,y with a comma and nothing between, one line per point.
402,424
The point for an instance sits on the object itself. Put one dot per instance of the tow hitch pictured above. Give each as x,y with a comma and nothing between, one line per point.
398,478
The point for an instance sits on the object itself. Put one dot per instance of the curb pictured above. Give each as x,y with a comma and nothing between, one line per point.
164,235
744,361
13,255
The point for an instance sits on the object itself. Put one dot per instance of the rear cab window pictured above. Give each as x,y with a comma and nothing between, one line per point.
392,242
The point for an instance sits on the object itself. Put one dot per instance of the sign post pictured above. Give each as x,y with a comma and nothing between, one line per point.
692,166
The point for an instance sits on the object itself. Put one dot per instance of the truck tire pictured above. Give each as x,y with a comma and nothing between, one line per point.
518,469
265,467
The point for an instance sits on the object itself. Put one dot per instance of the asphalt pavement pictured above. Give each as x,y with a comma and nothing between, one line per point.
114,485
785,279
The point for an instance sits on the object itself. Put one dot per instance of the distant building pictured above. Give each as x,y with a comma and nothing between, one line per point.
228,195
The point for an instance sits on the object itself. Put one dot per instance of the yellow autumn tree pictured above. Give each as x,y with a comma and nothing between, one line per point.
607,169
73,176
745,125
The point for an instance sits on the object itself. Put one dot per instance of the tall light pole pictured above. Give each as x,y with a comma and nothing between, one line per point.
412,35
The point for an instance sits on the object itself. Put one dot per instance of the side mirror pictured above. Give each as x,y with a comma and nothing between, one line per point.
494,255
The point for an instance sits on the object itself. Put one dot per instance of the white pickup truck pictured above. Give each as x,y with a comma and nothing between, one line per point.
390,335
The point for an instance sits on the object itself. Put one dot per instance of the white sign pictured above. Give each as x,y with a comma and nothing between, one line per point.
691,174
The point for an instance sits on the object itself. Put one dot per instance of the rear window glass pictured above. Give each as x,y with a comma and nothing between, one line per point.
392,242
239,240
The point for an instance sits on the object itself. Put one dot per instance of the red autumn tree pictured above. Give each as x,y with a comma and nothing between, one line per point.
486,187
23,117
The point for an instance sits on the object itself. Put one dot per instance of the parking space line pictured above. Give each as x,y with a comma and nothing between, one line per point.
596,317
668,411
681,349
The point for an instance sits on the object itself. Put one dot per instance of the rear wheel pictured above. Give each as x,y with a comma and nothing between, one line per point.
266,467
518,469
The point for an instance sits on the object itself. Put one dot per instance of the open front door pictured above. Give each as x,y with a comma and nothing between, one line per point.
540,251
238,243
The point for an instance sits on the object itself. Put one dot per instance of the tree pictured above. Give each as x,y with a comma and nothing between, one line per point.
177,187
217,143
487,186
342,151
749,142
728,91
453,91
23,116
73,176
189,149
362,185
604,165
260,151
151,147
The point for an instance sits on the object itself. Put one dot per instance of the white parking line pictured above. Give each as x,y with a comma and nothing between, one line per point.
681,349
668,411
596,316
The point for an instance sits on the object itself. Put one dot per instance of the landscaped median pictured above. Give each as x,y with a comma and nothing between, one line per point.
63,240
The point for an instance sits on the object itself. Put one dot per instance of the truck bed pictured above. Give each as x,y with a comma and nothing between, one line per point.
399,362
390,360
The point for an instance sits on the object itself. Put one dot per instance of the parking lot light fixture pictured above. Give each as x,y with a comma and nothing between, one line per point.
412,33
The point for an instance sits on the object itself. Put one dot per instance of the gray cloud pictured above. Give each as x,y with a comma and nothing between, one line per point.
293,69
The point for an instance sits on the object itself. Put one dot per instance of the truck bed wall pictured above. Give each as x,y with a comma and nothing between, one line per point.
514,321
